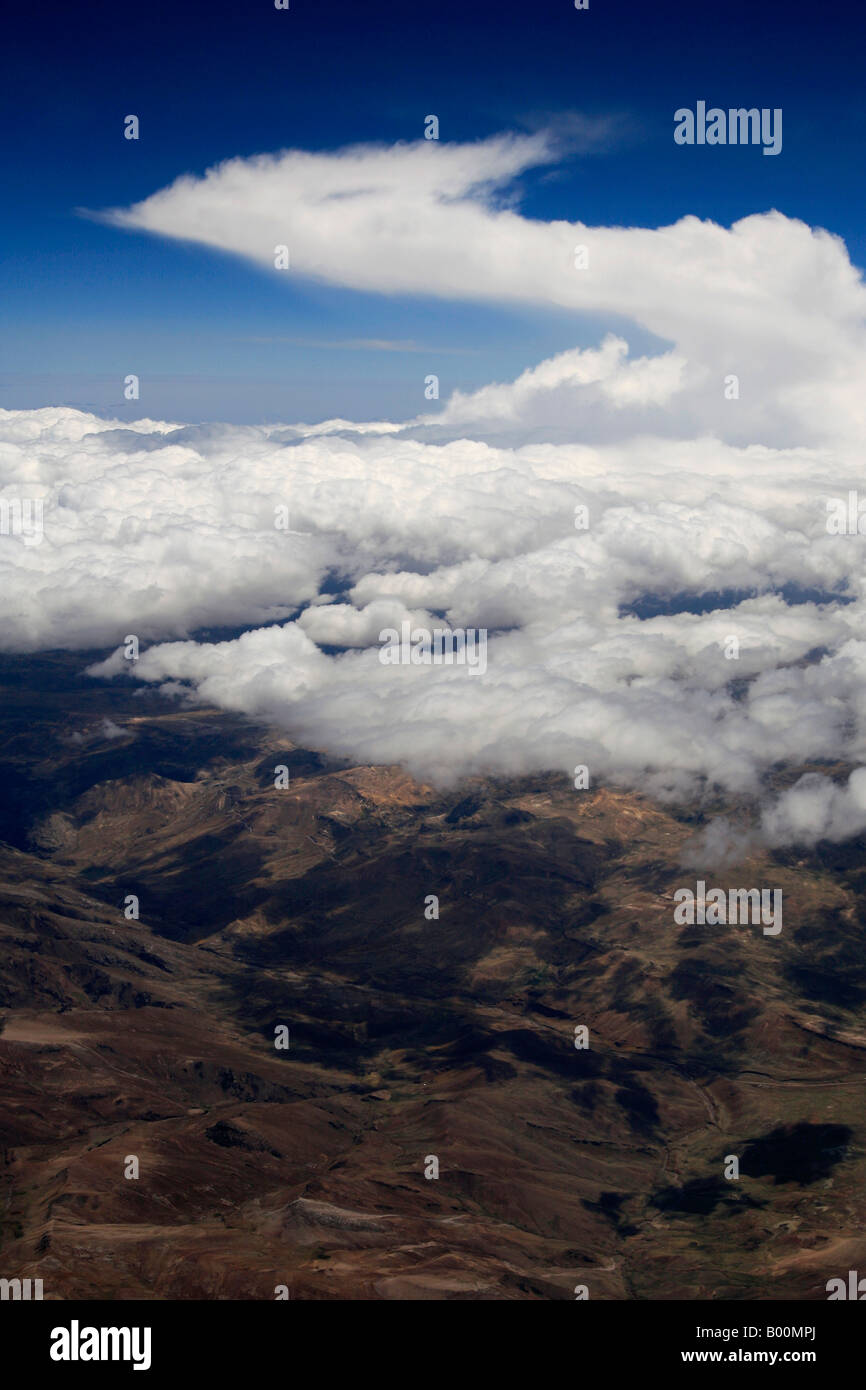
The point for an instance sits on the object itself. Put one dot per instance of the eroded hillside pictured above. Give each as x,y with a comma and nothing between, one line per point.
411,1036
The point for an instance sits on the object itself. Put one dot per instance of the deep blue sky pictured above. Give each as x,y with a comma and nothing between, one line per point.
82,304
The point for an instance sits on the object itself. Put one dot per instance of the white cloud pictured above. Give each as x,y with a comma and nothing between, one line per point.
770,300
816,808
604,377
470,535
342,625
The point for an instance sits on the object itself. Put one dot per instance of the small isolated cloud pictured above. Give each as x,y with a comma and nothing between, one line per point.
552,392
816,808
399,345
717,845
110,730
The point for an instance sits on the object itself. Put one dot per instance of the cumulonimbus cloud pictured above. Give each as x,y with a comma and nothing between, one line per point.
769,300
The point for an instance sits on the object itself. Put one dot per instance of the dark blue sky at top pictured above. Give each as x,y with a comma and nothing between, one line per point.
82,304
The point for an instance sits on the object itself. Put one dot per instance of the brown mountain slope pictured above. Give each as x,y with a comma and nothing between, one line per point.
411,1036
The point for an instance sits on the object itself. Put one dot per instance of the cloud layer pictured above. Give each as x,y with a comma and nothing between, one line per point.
157,531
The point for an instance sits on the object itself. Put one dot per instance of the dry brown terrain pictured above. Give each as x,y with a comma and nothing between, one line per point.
410,1037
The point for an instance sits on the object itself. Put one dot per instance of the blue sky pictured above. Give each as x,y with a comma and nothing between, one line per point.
83,303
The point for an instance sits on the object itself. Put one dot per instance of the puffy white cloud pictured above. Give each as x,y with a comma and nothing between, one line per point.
343,625
816,808
770,300
150,529
594,378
